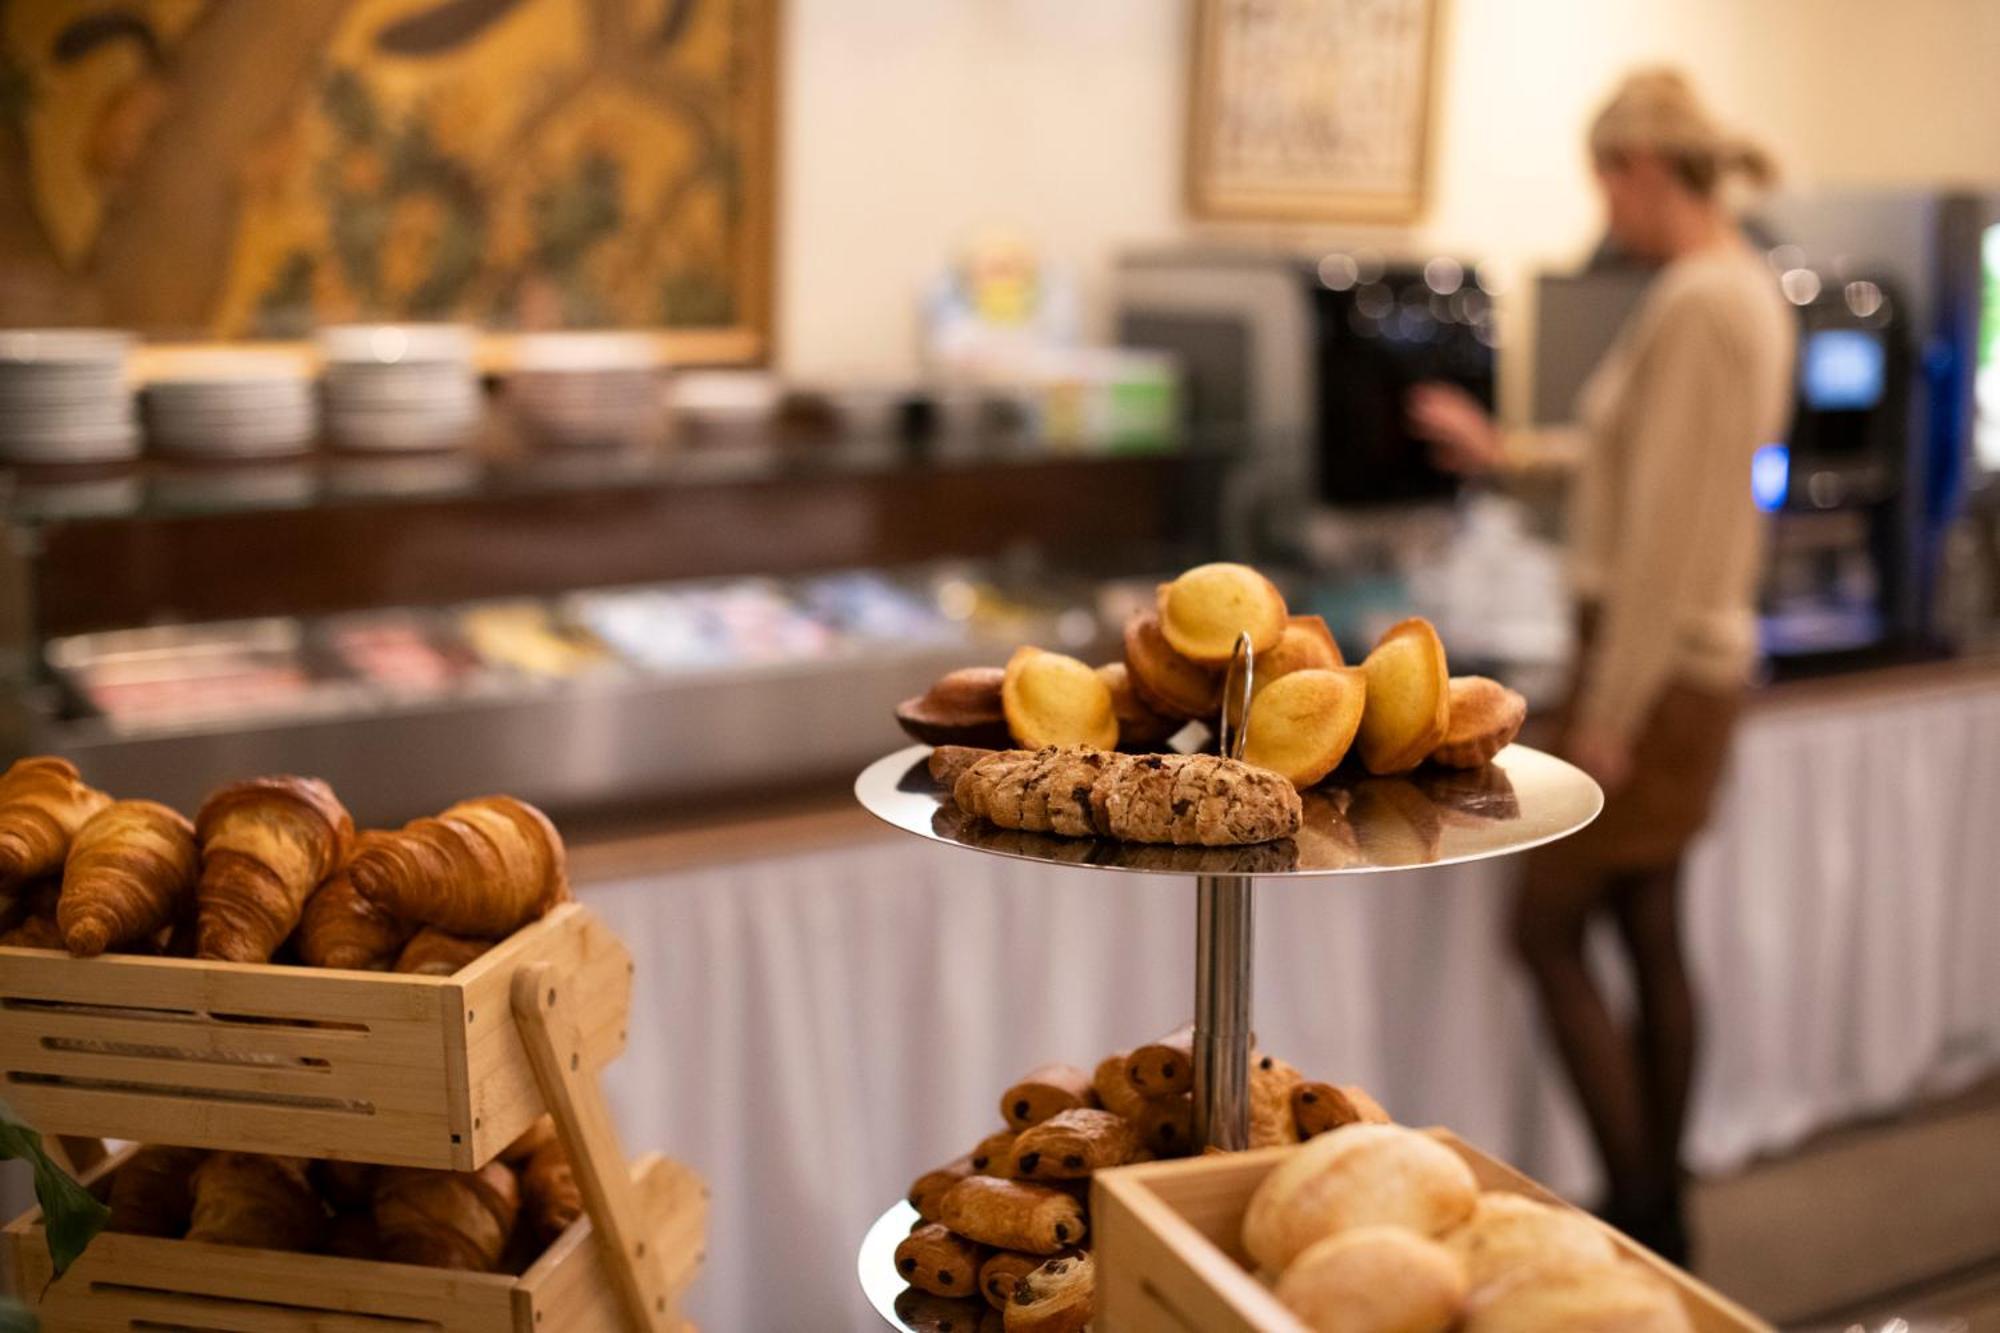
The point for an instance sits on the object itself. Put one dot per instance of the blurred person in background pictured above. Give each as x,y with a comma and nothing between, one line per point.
1666,548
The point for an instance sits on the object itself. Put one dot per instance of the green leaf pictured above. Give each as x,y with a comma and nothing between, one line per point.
71,1217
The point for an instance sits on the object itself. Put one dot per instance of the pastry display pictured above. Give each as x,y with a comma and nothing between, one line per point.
269,863
498,1219
962,708
130,874
1086,758
1409,699
1205,611
1373,1228
1053,700
1019,1202
1484,718
1182,799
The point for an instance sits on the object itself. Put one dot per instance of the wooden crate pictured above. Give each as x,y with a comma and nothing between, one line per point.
124,1284
1170,1259
360,1066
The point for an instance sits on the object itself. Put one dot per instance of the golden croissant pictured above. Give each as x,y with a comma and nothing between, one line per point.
343,928
266,844
447,1219
483,867
131,869
43,802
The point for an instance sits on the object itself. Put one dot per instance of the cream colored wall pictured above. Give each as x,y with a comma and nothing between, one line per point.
909,125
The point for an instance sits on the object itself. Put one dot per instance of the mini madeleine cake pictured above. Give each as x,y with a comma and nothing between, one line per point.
1409,698
1204,611
1050,699
1302,724
1485,717
1306,645
1140,727
1165,681
961,708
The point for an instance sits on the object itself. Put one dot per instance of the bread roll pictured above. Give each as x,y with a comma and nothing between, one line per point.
1364,1175
1511,1231
1045,1091
932,1259
1374,1280
1011,1215
1072,1145
1557,1298
1058,1297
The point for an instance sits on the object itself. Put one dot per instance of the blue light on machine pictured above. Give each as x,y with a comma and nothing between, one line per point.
1770,476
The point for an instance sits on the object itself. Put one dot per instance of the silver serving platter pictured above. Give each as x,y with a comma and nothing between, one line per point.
1354,824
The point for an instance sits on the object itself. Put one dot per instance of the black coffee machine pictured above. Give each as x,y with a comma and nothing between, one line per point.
1838,486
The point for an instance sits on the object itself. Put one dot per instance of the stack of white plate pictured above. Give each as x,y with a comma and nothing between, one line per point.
64,397
585,389
231,405
400,388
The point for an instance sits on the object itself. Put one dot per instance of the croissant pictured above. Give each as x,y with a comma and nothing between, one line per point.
432,953
152,1194
446,1219
131,868
43,802
266,844
342,928
483,867
32,917
549,1192
243,1198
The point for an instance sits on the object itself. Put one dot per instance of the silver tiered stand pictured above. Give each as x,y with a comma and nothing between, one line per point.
1352,826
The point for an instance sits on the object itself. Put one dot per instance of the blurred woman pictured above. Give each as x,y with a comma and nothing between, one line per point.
1666,548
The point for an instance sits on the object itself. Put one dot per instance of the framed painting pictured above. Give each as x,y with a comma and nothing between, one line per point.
1311,110
244,169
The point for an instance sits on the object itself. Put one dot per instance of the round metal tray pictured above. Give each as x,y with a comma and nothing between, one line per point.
1353,824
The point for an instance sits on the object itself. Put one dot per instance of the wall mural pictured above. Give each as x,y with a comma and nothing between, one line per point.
1311,110
248,168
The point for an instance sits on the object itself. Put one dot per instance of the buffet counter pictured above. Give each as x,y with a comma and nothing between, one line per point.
823,990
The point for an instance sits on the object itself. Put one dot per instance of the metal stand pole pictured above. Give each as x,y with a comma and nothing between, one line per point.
1222,1012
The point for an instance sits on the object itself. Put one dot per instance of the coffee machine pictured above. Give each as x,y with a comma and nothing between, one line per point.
1306,361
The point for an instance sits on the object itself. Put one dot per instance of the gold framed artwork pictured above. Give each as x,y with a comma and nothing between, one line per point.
242,168
1311,110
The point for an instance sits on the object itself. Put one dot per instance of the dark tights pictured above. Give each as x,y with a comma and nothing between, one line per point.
1633,1084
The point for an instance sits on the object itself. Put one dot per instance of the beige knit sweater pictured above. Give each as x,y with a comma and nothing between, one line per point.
1664,535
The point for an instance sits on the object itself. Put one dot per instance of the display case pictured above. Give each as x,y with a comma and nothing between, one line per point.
584,627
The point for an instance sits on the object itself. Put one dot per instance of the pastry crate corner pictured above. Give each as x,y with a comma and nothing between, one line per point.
1169,1258
133,1282
363,1066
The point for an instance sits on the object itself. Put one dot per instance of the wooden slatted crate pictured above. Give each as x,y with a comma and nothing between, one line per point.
1170,1259
126,1284
360,1066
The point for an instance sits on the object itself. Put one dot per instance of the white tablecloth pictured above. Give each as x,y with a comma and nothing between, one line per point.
812,1032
